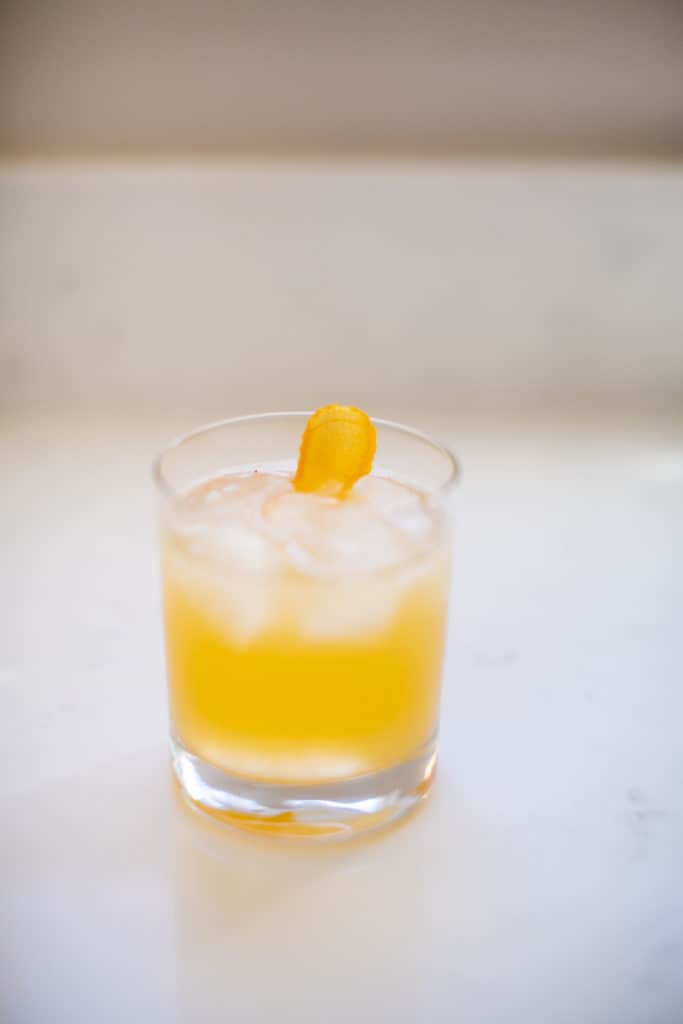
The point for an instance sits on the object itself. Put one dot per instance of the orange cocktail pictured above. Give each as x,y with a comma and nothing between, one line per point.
305,621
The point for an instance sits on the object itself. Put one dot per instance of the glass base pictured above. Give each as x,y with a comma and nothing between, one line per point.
325,810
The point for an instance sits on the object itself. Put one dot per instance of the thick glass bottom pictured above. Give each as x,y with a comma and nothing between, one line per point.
325,810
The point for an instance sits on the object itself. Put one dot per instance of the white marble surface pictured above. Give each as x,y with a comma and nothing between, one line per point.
542,883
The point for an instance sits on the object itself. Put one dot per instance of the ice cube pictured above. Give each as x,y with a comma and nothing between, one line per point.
242,548
229,543
246,610
347,611
290,516
381,493
324,535
398,505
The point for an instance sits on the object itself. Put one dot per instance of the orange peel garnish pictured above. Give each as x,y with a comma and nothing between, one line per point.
337,448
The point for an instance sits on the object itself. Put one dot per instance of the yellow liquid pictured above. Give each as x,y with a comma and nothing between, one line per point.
285,676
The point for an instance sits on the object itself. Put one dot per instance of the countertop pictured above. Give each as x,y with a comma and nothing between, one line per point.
542,882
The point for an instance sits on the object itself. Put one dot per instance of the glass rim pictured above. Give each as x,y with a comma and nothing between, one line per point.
442,491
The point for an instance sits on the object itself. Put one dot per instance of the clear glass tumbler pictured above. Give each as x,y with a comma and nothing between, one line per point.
302,703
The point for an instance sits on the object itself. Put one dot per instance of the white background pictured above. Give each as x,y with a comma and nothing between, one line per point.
239,287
